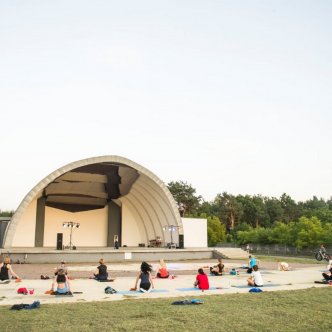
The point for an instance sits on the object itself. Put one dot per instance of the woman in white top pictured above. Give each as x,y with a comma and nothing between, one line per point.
256,278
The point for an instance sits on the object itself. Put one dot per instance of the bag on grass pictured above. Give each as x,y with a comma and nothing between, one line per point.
184,302
110,290
255,290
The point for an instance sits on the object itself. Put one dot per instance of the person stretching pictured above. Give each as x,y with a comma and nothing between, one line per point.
5,268
162,270
62,282
202,281
101,272
144,275
256,278
218,269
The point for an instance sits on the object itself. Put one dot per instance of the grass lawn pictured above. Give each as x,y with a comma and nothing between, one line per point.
301,310
289,259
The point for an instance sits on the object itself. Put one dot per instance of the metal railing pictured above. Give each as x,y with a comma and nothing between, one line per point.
274,249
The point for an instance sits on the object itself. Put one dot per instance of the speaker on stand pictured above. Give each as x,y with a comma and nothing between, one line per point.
59,241
181,241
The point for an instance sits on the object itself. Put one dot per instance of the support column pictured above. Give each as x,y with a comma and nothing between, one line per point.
114,223
40,222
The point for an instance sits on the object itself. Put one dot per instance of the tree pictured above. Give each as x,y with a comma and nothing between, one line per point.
228,209
291,209
6,213
216,231
185,196
254,212
273,209
310,232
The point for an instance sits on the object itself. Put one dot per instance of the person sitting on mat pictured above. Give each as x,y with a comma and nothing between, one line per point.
62,282
5,268
101,272
162,270
144,275
202,281
218,269
252,261
256,278
326,276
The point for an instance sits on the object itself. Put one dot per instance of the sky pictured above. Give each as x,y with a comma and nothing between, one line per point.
229,96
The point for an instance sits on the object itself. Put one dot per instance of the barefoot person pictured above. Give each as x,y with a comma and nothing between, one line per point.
5,269
256,278
144,275
202,281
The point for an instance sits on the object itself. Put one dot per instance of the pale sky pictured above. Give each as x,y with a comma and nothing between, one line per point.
226,95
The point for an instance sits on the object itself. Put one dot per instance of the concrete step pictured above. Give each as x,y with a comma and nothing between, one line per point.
230,253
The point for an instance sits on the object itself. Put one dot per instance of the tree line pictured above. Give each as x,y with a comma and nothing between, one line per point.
258,219
255,219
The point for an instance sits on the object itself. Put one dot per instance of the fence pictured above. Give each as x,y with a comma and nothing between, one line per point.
274,249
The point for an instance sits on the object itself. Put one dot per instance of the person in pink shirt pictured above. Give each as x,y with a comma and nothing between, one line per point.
202,281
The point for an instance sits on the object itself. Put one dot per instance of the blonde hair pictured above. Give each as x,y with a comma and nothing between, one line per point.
6,260
162,263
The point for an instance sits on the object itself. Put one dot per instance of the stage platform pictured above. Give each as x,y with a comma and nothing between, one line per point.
93,254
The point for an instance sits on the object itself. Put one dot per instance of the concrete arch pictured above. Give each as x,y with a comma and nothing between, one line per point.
139,187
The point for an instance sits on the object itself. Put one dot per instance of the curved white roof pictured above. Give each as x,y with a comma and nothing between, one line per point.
81,185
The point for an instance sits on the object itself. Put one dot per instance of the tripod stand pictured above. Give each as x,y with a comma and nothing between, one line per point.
71,225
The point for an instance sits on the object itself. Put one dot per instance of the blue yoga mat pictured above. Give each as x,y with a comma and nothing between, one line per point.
139,292
194,289
267,285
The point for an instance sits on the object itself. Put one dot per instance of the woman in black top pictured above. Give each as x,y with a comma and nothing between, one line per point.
217,270
5,268
101,272
62,282
145,276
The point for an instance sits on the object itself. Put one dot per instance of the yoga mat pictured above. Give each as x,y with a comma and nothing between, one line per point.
197,289
247,286
5,281
108,280
139,292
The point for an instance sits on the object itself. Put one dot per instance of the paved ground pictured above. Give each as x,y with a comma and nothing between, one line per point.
301,276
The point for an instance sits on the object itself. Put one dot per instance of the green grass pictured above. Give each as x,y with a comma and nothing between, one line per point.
301,310
303,260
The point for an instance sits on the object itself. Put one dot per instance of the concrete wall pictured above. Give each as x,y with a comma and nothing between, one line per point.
195,233
91,256
132,234
25,231
92,231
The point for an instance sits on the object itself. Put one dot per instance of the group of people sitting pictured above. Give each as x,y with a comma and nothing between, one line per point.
144,279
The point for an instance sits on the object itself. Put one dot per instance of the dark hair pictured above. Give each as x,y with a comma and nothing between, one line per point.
145,267
255,268
200,271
